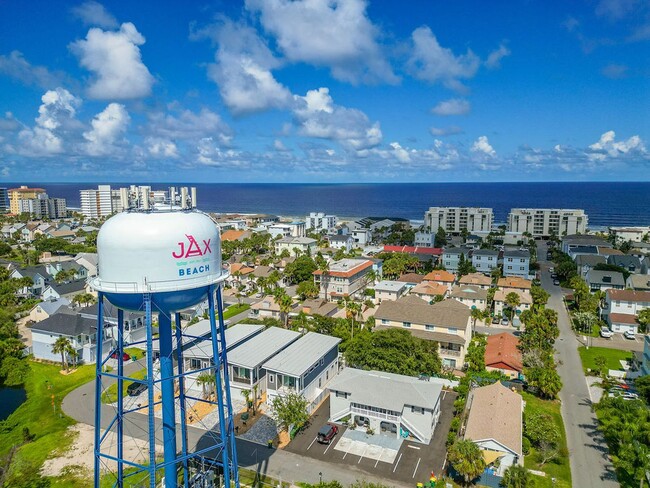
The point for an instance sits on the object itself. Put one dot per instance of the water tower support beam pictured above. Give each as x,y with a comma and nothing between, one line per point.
120,397
181,396
223,428
98,385
168,400
150,393
226,379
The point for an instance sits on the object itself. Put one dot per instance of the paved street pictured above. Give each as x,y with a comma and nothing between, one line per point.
588,453
279,464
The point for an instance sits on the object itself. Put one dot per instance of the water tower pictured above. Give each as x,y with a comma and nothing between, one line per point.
161,262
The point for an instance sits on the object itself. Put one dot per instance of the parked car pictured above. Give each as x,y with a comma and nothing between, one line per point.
125,356
505,321
554,276
556,282
496,319
628,334
551,270
327,433
134,389
606,333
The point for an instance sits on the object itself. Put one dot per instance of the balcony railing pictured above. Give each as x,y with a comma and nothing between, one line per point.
450,352
372,413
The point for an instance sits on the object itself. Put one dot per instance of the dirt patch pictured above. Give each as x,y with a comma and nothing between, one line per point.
80,456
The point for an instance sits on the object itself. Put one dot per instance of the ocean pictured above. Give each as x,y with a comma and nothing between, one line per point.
615,203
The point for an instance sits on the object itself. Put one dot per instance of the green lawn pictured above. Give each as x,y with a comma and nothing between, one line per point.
134,352
613,356
43,420
234,310
110,394
559,469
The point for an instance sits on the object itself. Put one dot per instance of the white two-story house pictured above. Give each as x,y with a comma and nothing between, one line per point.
622,308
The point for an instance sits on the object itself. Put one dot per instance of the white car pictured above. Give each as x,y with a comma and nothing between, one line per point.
551,269
606,333
628,334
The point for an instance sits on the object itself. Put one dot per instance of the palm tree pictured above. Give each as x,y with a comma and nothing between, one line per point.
61,346
517,477
247,396
476,314
205,379
255,388
466,458
285,302
512,301
352,309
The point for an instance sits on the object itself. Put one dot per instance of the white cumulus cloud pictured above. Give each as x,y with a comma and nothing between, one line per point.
454,106
94,13
108,128
115,60
607,145
493,60
159,147
318,116
482,146
332,33
431,62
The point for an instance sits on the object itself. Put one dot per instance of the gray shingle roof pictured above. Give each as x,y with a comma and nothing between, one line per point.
370,388
51,306
485,252
262,347
601,277
67,288
516,253
412,309
590,260
66,324
299,356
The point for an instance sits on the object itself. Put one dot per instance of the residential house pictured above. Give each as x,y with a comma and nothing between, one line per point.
622,308
495,424
476,279
246,360
485,260
608,251
516,263
638,282
587,262
502,354
240,274
80,330
429,291
89,261
604,280
472,296
64,290
267,307
514,283
425,239
346,277
447,322
411,279
441,277
412,407
39,276
306,366
304,245
287,229
575,251
451,257
634,234
629,263
389,290
578,240
75,270
429,255
362,237
319,307
525,300
235,235
338,241
134,330
47,308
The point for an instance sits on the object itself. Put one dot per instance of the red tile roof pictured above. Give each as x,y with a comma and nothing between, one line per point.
440,275
433,251
622,318
502,348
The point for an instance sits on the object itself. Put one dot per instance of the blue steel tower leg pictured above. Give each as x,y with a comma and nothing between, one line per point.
168,407
181,397
223,428
150,394
98,384
226,379
120,398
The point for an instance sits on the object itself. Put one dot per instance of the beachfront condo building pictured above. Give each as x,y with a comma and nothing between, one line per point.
543,222
318,221
22,193
457,219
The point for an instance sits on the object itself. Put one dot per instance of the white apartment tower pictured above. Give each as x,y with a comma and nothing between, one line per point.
318,221
542,222
97,203
456,219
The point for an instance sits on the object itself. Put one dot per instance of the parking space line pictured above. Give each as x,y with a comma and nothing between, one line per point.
398,460
379,458
413,447
443,394
328,447
364,451
312,443
416,468
346,452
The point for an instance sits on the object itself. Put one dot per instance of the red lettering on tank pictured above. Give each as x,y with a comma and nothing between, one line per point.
193,249
180,254
207,249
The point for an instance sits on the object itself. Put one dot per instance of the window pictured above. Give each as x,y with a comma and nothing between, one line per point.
510,260
452,330
429,327
417,410
271,378
195,364
320,382
384,321
341,394
406,324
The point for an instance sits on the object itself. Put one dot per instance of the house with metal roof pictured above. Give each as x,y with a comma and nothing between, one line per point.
47,308
447,322
245,362
306,367
495,424
412,408
81,331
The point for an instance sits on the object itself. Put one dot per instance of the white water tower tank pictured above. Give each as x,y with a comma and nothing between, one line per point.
172,255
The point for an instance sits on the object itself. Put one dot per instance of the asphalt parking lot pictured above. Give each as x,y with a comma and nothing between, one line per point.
414,461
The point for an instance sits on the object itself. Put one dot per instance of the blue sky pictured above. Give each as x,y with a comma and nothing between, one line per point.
324,91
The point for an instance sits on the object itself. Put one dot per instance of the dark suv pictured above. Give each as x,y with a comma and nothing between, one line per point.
134,389
327,433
